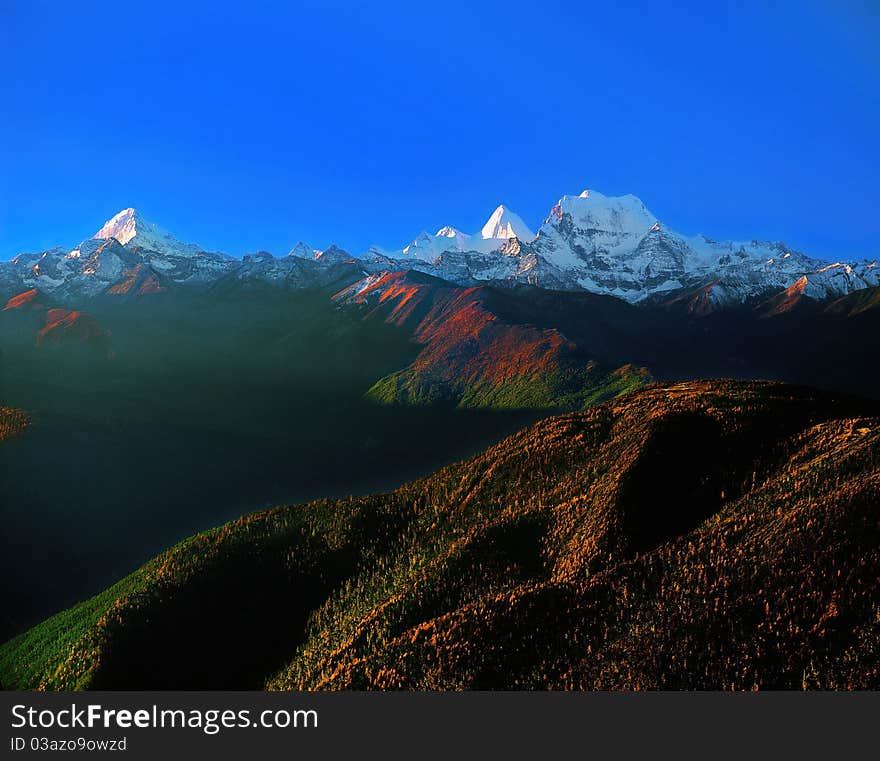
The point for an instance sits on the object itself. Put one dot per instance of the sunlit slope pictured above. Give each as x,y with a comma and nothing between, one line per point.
471,357
12,421
700,535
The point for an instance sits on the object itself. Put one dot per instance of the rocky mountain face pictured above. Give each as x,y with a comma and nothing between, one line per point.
589,242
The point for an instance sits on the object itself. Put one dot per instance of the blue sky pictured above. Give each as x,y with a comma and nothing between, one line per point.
360,123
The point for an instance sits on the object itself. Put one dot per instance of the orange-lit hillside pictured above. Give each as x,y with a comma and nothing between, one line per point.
786,300
65,327
27,300
472,358
56,326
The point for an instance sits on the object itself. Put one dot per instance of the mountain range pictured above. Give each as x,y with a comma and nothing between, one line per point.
654,530
589,242
601,301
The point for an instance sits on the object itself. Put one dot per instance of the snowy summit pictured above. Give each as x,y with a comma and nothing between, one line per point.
504,224
130,228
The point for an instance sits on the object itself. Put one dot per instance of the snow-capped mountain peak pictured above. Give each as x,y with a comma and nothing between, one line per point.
130,228
447,231
128,253
123,226
504,224
591,209
428,247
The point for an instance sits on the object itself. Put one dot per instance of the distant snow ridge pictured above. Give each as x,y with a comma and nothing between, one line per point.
610,245
614,245
502,226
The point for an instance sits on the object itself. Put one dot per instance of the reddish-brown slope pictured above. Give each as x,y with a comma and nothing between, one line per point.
468,351
784,301
696,301
55,326
65,326
462,338
138,280
27,300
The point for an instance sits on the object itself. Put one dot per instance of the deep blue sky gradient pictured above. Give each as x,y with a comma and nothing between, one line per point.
360,123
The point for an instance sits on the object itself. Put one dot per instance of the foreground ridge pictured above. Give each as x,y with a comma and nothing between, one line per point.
701,535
